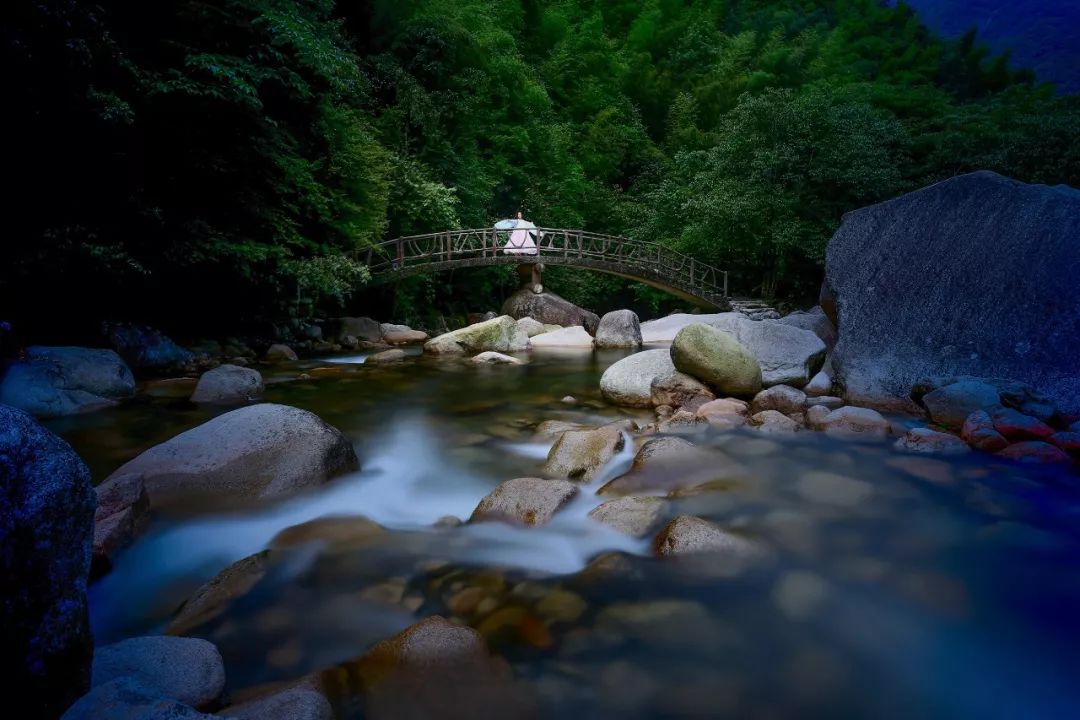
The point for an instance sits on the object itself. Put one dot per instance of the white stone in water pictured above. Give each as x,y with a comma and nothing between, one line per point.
799,594
832,489
495,358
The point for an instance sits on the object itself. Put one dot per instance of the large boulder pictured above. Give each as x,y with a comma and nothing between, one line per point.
975,276
55,381
525,501
629,381
186,669
46,525
619,329
145,348
229,385
662,331
568,337
580,455
258,452
550,309
501,334
531,326
816,321
788,355
361,328
716,358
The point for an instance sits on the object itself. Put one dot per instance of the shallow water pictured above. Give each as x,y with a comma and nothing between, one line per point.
894,586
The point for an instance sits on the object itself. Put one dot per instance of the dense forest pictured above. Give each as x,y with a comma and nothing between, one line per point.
202,164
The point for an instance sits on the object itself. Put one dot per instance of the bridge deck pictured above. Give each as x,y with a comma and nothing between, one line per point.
647,262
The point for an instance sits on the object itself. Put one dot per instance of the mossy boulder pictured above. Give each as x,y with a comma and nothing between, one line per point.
717,359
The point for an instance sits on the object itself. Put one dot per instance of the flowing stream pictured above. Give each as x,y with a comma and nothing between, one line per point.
894,586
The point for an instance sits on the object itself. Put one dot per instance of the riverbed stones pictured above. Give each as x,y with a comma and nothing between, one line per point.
688,534
128,699
1015,425
437,669
500,334
773,421
212,599
716,358
45,542
1067,441
978,431
56,381
782,398
628,382
815,416
186,669
971,276
950,406
856,423
387,356
567,337
925,440
229,385
634,515
1035,452
279,352
525,501
531,326
679,390
494,358
618,329
549,309
829,401
259,452
292,703
580,455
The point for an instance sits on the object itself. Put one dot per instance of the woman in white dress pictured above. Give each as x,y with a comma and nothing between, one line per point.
522,238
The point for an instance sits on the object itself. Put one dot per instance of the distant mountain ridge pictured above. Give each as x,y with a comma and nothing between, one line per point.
1042,34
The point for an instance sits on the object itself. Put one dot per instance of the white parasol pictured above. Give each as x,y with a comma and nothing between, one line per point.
522,237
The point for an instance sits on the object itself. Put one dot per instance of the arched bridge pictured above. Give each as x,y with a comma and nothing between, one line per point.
645,262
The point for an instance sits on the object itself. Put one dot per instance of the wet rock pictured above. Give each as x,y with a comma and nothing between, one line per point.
581,454
771,421
935,471
816,321
280,353
951,405
122,515
435,669
1034,452
569,400
663,464
387,356
229,384
501,334
682,421
494,358
629,381
127,699
1015,425
567,337
679,389
257,452
210,600
186,669
531,326
1067,441
46,526
855,423
295,703
525,501
978,432
353,531
827,401
925,440
636,516
549,309
408,337
724,406
56,381
555,428
782,398
361,328
618,329
815,417
959,278
145,348
832,489
687,534
716,358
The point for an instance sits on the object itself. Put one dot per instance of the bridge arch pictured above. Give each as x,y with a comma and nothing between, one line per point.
649,263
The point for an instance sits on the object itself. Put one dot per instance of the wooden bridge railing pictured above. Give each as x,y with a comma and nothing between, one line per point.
485,246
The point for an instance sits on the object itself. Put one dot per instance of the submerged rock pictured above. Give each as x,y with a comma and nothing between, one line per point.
925,440
525,501
581,454
229,384
500,334
186,669
618,329
210,600
549,309
633,515
717,359
971,276
45,534
687,534
55,381
629,381
494,358
665,464
1035,452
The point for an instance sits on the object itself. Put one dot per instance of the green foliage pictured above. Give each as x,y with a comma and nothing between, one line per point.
215,151
327,277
